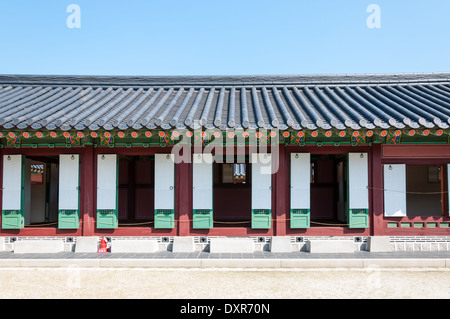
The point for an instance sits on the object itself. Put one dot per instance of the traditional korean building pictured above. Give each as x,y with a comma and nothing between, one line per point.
326,156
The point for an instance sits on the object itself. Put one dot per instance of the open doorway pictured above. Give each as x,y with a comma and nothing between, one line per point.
328,190
232,194
41,184
424,190
136,190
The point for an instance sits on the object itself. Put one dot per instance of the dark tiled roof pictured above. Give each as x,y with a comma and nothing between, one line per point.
298,102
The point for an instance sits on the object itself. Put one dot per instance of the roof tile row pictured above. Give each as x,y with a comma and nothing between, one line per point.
299,103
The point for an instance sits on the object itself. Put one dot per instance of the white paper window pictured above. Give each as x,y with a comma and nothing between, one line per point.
358,181
300,180
202,181
68,181
164,181
448,187
261,181
12,182
394,190
106,181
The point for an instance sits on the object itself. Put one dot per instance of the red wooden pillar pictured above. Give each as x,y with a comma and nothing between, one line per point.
183,204
1,187
377,191
281,191
87,189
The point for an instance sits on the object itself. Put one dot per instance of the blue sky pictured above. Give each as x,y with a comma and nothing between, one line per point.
215,37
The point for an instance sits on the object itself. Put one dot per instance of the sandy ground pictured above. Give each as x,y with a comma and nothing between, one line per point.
140,283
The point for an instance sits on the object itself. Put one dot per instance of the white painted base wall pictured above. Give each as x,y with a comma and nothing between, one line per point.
298,243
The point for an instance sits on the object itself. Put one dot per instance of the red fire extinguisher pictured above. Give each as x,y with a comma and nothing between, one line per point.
103,246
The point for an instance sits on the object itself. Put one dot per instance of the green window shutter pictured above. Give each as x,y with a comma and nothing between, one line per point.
358,192
68,200
107,191
13,199
300,181
164,191
261,190
202,191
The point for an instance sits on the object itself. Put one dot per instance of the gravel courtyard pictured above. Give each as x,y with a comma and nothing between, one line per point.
142,283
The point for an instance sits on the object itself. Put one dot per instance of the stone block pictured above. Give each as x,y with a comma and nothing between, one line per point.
231,245
134,245
330,246
38,246
87,244
280,244
378,244
183,245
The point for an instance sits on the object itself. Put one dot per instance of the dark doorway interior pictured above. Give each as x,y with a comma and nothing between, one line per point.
232,193
41,191
136,190
328,190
